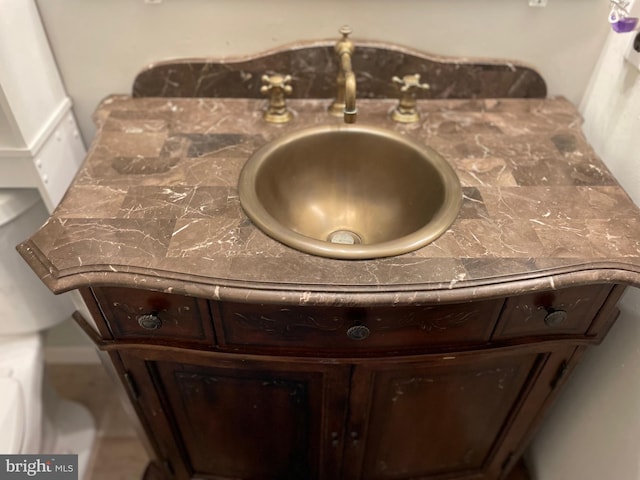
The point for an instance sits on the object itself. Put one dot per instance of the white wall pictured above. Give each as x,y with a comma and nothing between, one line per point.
101,45
593,432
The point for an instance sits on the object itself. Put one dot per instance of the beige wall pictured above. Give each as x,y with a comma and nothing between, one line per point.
101,45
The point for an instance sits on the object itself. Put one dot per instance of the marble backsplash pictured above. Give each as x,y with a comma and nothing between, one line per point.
313,68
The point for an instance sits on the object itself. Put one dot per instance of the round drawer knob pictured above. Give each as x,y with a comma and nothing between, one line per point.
149,321
555,317
358,332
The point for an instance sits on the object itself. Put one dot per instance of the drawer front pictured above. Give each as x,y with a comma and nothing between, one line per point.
144,314
342,328
567,311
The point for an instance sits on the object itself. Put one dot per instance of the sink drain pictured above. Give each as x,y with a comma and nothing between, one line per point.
344,237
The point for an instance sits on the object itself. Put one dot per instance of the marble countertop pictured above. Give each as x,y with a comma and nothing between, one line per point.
155,206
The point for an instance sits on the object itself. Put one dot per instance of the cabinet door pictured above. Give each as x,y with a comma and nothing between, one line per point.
248,419
423,419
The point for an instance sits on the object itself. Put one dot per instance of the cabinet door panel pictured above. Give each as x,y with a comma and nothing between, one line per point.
254,420
435,418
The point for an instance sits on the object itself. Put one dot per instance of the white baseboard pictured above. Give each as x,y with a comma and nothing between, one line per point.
71,355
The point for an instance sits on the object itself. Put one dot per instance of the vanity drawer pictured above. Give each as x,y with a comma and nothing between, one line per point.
144,314
569,311
333,329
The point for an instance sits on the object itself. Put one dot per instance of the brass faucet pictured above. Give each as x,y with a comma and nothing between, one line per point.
406,111
345,101
276,87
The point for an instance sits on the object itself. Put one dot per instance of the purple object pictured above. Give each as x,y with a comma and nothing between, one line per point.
624,25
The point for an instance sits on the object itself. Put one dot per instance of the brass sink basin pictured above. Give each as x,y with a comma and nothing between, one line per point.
350,192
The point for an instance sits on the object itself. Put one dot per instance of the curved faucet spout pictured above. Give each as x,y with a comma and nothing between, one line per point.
345,101
350,110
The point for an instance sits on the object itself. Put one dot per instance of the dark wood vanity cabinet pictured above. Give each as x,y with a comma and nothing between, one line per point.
248,360
439,417
242,418
266,391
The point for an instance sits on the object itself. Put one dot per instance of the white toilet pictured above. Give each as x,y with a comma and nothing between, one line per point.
33,419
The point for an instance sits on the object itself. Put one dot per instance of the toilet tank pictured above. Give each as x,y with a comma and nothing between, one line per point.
26,305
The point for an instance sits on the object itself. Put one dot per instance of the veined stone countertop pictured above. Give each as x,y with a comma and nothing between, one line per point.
156,206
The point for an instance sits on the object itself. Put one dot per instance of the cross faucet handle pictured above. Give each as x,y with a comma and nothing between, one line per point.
276,87
410,83
269,82
406,111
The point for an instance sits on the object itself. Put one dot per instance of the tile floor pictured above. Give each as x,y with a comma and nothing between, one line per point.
117,452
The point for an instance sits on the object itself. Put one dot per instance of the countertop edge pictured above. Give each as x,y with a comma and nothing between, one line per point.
256,292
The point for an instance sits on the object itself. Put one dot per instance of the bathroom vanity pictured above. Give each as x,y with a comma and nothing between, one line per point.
248,359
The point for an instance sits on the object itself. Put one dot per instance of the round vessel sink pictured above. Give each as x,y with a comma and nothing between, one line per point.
350,192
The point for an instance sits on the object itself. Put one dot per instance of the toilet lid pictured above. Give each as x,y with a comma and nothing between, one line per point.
11,417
